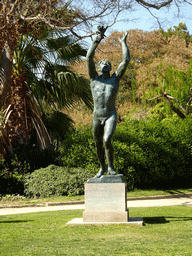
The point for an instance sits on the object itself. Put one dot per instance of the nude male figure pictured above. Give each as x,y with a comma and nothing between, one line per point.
104,90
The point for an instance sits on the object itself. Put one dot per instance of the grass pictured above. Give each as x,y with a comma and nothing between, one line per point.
151,192
32,201
134,193
167,231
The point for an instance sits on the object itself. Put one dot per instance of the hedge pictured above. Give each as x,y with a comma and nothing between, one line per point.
150,153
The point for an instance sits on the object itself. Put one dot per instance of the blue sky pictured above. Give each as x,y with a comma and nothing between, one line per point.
145,21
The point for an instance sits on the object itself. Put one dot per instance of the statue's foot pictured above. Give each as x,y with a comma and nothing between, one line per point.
100,173
111,171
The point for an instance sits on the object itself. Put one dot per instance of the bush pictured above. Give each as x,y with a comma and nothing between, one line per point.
159,152
25,160
55,180
78,150
151,153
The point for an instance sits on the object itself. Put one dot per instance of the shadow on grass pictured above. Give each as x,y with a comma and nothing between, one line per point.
15,221
164,220
155,220
178,192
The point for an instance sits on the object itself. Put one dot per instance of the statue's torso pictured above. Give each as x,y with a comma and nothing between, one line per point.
104,93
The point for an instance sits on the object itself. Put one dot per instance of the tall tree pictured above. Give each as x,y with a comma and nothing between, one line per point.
21,16
42,74
75,16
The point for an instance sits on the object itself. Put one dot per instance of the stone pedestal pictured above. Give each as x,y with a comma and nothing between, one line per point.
105,202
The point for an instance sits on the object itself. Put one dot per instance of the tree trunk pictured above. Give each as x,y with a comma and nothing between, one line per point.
24,118
19,124
5,72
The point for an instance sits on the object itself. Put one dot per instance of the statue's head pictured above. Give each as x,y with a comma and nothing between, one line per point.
104,66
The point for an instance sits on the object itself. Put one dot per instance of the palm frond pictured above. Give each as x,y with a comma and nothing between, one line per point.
58,124
68,50
43,137
3,129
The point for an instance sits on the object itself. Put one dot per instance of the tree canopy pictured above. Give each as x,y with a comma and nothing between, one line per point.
159,60
149,51
70,16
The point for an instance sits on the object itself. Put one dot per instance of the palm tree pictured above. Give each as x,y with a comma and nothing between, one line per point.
42,78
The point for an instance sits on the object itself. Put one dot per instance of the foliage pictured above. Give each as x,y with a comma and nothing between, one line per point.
60,87
12,197
78,150
32,96
29,158
151,56
158,151
58,124
150,152
55,180
43,75
161,111
25,160
176,85
10,185
181,31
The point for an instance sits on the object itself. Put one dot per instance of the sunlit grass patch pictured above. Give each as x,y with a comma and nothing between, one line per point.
167,231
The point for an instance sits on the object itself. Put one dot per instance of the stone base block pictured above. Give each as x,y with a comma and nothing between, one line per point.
105,202
105,216
80,222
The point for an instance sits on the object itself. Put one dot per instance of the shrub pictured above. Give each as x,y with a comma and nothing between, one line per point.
151,153
158,151
55,180
78,150
26,159
12,197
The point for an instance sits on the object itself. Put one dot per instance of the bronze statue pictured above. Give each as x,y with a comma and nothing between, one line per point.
104,90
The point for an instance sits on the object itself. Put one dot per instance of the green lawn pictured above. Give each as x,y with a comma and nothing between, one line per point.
167,231
53,199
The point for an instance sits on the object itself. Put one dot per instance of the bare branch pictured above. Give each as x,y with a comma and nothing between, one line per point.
154,17
173,98
146,4
187,2
155,98
176,110
188,106
189,102
14,5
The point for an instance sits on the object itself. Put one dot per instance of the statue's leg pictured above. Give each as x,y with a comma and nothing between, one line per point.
109,130
98,131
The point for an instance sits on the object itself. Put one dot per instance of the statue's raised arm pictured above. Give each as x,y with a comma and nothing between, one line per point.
90,54
125,56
